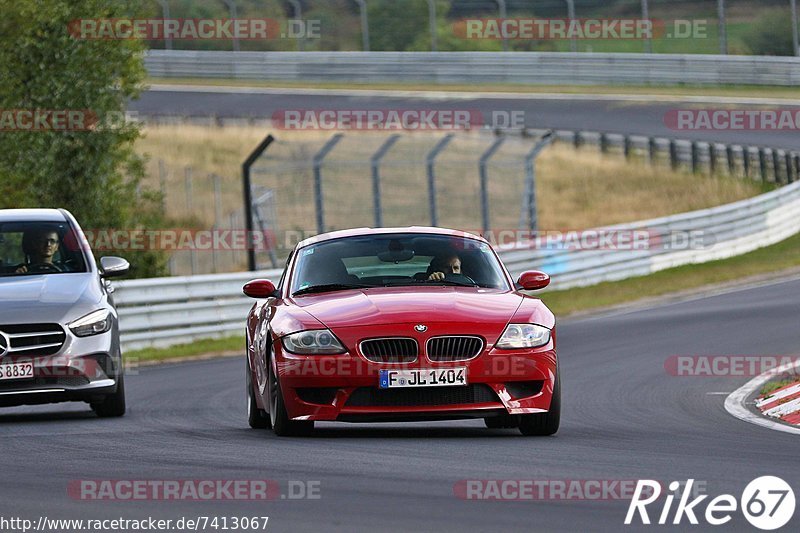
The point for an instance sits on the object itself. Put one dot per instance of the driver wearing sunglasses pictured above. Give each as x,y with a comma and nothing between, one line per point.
40,247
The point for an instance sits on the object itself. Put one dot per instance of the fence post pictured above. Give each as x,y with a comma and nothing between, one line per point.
577,140
248,199
217,217
375,162
627,146
162,183
529,201
318,199
485,181
430,162
188,186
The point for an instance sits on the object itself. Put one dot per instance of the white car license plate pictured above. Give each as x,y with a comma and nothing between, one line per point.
436,377
16,371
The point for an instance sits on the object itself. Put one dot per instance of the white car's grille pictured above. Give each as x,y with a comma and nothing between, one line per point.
31,339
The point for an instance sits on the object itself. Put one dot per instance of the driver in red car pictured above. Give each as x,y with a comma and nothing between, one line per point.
39,247
443,265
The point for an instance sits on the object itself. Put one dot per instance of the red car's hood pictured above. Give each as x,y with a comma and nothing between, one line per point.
403,304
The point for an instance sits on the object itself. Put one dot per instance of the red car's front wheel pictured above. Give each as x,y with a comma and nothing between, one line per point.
281,425
543,424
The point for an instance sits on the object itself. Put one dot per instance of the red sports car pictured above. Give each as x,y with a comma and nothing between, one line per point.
400,324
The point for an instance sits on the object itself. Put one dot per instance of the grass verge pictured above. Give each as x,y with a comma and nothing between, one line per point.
781,256
747,91
772,386
775,258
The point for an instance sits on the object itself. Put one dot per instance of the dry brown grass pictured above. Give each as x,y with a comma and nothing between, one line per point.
576,189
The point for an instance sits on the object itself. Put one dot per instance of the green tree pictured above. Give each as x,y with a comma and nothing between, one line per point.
395,24
771,34
93,173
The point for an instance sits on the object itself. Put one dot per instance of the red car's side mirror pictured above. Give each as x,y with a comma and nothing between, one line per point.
260,288
533,280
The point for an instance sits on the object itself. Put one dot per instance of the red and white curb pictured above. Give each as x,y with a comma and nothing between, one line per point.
735,402
783,403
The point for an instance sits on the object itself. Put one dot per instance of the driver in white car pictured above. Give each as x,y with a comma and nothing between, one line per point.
39,247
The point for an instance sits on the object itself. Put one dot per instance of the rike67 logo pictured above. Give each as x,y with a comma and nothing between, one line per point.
767,503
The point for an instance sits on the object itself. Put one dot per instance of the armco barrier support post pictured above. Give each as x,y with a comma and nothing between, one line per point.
627,146
762,163
603,143
248,199
430,163
485,181
577,140
713,156
673,154
776,165
529,201
797,166
746,160
318,198
787,157
652,150
695,157
731,155
375,163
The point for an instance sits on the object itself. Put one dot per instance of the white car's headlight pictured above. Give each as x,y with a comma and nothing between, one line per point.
523,336
94,323
313,342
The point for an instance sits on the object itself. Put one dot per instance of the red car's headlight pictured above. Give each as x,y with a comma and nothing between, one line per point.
313,342
518,336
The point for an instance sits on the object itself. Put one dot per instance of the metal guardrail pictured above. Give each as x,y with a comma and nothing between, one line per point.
540,68
165,311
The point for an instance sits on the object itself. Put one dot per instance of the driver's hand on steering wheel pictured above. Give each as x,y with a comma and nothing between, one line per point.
436,276
21,270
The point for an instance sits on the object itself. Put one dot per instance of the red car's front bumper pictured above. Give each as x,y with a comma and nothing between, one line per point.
345,387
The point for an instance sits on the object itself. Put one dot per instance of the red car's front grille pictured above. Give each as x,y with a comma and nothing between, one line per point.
390,350
454,348
422,396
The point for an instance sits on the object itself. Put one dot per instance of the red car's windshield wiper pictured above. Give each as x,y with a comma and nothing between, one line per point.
330,287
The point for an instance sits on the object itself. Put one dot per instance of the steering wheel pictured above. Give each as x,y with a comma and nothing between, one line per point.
460,278
43,267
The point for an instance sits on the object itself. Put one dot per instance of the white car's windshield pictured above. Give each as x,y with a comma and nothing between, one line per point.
35,248
396,260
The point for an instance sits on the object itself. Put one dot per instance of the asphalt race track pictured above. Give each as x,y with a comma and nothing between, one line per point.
636,117
625,418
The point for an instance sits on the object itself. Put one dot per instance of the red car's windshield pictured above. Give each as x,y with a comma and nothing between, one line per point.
397,260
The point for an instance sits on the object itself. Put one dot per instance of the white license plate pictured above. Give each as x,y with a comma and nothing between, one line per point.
435,377
16,371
